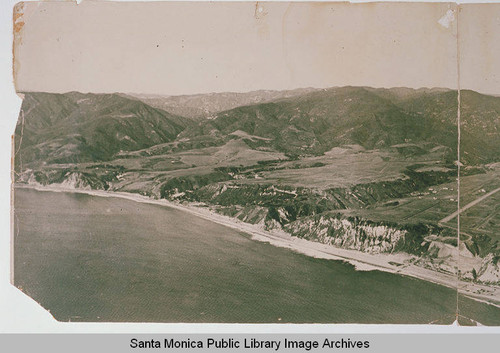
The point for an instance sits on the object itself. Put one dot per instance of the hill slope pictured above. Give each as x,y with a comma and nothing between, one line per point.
76,127
315,122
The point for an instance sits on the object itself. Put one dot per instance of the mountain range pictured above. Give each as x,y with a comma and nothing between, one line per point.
350,166
75,127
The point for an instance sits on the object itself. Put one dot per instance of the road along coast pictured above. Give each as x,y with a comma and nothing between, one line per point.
394,263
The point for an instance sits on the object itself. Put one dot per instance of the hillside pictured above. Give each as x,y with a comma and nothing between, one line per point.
480,117
75,127
318,121
360,168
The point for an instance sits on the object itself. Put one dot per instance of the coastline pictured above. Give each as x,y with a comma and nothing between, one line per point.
361,261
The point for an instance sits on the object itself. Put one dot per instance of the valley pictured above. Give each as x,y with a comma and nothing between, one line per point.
356,169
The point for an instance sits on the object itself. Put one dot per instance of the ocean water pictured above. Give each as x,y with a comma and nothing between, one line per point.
90,258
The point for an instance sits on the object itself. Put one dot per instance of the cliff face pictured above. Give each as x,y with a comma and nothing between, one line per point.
348,234
335,230
371,170
69,178
489,272
304,213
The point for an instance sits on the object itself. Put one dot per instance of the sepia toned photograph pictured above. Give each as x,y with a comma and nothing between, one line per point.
258,162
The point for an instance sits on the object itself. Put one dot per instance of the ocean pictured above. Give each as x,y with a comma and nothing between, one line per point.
93,259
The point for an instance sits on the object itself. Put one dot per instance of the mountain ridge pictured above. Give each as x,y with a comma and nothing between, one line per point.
78,127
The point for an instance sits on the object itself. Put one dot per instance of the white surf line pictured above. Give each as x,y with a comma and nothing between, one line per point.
298,245
469,205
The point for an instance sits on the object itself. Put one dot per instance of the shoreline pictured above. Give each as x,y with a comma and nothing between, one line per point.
360,260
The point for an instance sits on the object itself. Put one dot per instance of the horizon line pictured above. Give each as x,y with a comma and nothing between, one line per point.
257,90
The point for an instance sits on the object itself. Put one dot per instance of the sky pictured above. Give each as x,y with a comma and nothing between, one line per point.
188,48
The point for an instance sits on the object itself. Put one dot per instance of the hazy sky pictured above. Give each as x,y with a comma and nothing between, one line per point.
172,48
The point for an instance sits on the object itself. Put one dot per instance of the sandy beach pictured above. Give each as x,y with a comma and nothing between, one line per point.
393,263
